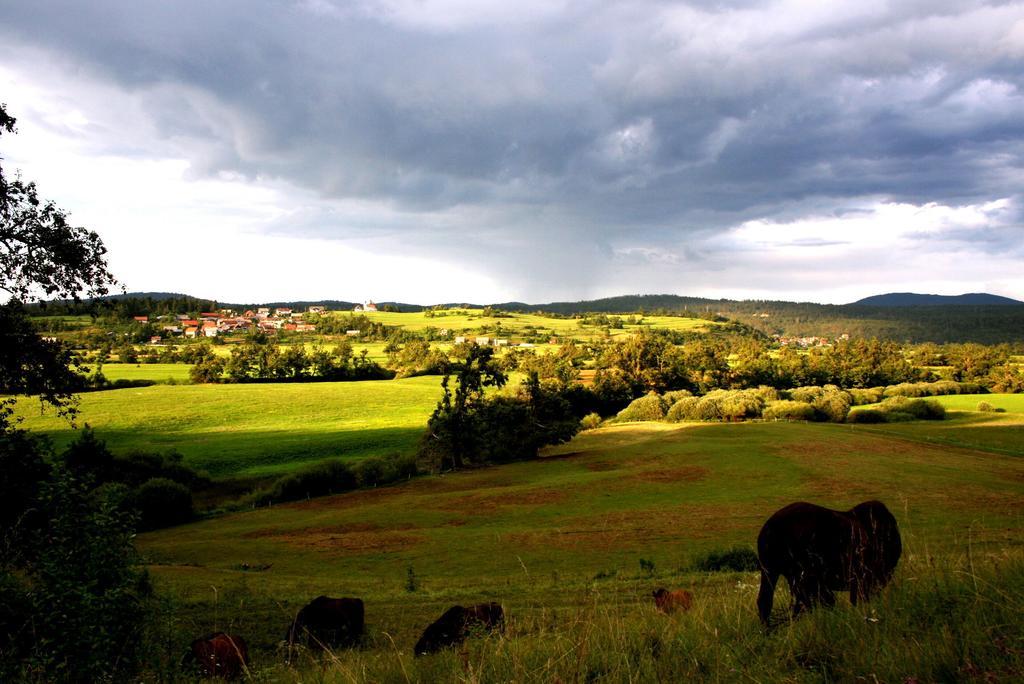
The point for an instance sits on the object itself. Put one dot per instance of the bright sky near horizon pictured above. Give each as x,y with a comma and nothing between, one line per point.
444,150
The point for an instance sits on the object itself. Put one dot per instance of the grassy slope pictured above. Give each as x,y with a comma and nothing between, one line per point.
258,429
535,535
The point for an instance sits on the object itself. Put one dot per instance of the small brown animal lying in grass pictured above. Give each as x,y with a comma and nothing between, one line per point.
669,602
219,655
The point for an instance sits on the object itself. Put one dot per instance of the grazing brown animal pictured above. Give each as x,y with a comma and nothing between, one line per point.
669,602
219,655
456,623
820,551
328,622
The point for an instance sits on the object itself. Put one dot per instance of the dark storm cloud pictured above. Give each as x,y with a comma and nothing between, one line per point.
575,123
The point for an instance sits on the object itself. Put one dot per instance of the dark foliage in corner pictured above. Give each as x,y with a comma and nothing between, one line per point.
72,596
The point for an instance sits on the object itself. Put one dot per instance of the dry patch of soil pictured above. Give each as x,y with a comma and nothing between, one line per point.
483,503
342,542
668,475
638,529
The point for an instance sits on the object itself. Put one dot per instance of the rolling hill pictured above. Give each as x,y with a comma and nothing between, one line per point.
914,299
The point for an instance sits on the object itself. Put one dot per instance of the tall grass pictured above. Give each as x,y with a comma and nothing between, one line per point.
956,620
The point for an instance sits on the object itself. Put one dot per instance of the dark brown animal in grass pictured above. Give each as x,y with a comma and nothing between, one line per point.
669,602
219,655
456,623
820,551
328,622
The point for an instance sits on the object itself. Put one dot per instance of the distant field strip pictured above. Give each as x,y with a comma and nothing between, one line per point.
471,319
254,429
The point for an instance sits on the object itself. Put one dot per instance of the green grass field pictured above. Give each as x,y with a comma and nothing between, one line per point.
559,540
966,427
156,372
1011,403
253,429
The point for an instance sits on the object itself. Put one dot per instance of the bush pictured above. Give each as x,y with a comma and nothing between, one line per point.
649,407
321,479
162,503
683,409
88,457
738,559
675,395
708,407
383,470
87,591
833,405
15,620
741,405
918,409
785,409
136,467
719,405
765,393
942,387
932,389
907,389
23,469
986,407
860,397
865,415
806,394
590,421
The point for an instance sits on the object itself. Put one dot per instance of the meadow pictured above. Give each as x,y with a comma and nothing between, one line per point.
559,542
466,320
152,372
252,430
965,427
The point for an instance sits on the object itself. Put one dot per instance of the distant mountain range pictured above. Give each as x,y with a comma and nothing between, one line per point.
630,303
914,299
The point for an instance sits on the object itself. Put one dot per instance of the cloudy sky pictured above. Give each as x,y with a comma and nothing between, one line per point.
453,150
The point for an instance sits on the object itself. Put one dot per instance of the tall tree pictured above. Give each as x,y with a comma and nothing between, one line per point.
453,429
41,255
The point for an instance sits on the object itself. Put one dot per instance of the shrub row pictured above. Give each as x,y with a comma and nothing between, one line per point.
826,403
335,477
898,409
932,389
156,486
728,405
